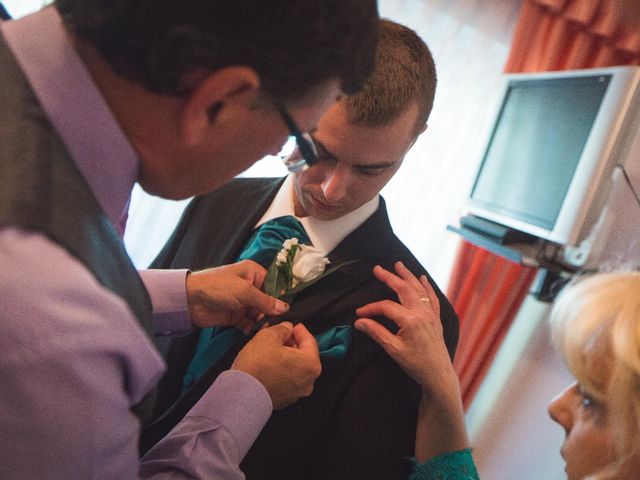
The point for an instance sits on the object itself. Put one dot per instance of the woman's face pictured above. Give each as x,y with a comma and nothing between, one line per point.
585,416
588,445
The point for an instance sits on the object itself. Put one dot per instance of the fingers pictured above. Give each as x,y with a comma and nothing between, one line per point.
304,340
404,273
281,331
308,348
284,359
405,284
251,271
394,282
252,298
431,295
387,308
411,291
379,334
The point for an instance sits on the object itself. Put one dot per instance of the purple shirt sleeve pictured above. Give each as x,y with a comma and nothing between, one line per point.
167,289
216,434
73,361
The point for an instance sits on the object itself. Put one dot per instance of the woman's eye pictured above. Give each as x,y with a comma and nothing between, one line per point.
586,401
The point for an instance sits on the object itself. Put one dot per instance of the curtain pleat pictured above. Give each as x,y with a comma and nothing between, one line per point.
568,34
487,290
486,298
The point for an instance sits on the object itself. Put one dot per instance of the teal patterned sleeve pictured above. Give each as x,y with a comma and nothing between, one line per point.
450,466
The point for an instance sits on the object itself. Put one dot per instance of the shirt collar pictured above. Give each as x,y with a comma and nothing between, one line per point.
75,107
325,235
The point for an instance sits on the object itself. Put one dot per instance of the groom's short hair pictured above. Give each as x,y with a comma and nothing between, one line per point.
404,72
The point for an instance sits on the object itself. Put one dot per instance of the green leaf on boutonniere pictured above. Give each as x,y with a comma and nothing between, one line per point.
271,281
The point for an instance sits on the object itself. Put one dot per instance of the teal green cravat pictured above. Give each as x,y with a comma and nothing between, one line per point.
335,342
262,247
267,239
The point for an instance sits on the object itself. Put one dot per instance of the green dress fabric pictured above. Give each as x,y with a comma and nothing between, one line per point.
450,466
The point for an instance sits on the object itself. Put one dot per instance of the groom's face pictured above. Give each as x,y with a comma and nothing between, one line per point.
354,163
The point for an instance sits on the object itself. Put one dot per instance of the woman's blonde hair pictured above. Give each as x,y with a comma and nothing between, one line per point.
605,306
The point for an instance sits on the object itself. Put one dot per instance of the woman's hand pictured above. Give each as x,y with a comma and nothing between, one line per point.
419,346
419,349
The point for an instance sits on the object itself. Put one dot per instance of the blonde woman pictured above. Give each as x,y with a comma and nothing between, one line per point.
596,326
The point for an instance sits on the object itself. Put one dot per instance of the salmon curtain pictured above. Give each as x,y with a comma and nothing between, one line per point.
485,289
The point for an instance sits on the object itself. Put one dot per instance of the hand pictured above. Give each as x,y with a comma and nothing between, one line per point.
230,296
419,346
419,349
284,359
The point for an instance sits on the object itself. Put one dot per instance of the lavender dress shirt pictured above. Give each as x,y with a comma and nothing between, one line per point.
73,359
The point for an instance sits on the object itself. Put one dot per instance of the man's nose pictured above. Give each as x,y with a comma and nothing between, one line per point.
335,184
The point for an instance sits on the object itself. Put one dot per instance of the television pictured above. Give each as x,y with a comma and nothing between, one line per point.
554,141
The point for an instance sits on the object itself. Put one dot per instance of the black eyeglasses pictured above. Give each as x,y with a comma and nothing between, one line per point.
308,151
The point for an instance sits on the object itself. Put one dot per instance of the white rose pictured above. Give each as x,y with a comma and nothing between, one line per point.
290,243
281,258
308,264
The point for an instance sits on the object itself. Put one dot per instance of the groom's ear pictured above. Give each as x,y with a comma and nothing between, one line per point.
415,138
217,103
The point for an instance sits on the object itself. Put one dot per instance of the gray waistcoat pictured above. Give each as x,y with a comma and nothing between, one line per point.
42,190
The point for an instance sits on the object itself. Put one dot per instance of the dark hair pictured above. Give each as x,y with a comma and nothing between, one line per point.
404,72
293,45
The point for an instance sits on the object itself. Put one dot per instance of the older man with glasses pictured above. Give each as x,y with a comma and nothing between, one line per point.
96,96
360,420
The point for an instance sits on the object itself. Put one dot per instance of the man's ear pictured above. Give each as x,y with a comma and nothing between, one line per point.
415,138
211,95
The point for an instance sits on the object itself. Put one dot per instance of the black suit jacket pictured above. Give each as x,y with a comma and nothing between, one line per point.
360,420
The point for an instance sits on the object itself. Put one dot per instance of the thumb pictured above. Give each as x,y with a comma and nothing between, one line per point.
270,306
281,331
305,340
377,333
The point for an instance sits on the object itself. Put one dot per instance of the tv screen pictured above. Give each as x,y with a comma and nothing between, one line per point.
535,147
551,148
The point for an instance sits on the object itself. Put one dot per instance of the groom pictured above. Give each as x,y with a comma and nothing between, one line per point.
360,420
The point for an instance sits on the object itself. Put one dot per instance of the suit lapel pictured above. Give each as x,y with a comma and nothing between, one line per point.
237,206
367,239
326,291
211,232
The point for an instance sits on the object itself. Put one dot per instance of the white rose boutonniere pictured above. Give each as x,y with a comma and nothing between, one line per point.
295,267
308,263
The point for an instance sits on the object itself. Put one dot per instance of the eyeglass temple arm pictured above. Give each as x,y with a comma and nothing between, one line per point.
303,145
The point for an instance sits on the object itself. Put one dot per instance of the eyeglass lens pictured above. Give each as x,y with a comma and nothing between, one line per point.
306,147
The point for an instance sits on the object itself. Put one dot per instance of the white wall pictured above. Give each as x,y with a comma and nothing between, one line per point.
18,8
511,432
